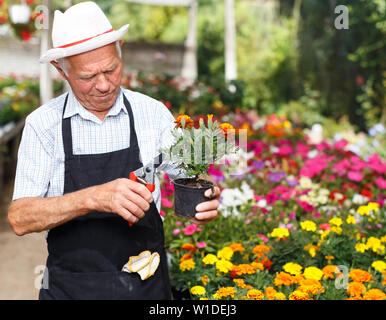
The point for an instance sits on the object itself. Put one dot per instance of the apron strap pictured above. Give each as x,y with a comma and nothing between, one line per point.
67,131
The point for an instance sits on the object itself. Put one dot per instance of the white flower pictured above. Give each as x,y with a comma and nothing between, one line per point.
305,183
231,199
359,199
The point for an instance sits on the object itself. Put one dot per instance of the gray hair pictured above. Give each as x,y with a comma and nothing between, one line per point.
64,65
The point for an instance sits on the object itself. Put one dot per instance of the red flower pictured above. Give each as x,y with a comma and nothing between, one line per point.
325,226
3,20
25,35
367,193
336,195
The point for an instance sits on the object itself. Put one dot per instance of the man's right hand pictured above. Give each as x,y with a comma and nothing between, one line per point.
124,197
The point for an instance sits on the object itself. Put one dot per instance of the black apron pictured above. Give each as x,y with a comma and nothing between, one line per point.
86,254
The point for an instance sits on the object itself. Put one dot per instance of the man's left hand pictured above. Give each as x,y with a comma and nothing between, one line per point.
207,211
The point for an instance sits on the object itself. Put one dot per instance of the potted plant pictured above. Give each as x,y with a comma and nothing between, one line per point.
195,147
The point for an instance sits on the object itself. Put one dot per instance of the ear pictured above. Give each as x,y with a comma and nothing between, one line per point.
60,70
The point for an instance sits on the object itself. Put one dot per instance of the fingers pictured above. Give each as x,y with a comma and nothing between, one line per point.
130,199
207,211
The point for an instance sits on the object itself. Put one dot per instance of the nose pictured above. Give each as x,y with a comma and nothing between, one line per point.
102,84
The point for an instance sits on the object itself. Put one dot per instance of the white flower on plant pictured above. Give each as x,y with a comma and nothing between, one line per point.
305,183
312,154
359,199
232,199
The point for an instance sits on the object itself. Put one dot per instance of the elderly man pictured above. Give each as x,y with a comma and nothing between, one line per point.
74,160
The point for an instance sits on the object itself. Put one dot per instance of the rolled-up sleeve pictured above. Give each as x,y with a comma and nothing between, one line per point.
34,165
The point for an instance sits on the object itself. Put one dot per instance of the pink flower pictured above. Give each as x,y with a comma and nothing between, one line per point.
191,229
376,164
176,231
380,182
292,215
306,206
201,245
263,237
162,213
355,175
340,144
325,226
166,203
179,223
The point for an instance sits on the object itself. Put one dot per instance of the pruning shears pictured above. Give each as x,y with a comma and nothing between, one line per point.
145,174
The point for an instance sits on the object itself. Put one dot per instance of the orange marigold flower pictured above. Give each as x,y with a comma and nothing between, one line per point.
298,278
329,271
311,286
205,279
188,121
267,263
270,293
374,294
237,247
188,247
257,265
186,256
329,258
261,250
225,292
360,275
283,278
356,289
241,269
241,283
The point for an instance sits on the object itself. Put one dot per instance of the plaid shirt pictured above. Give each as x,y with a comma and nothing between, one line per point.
40,166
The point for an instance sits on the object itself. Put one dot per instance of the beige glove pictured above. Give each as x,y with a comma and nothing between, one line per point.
145,264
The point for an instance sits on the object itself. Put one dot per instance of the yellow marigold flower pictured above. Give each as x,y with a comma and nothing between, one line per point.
283,279
376,245
363,210
350,220
280,233
237,247
188,264
373,206
255,294
361,247
313,273
197,290
224,266
379,265
329,271
240,283
383,239
225,292
337,230
336,221
279,296
360,275
293,268
205,279
15,107
374,294
299,295
225,253
355,289
308,225
209,259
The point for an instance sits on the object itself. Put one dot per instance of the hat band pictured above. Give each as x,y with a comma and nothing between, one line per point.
84,40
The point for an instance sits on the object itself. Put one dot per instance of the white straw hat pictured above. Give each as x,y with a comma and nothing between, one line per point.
82,27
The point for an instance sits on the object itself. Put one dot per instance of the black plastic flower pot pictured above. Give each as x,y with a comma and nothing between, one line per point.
188,193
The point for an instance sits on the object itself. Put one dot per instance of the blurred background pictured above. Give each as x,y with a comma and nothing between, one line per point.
257,58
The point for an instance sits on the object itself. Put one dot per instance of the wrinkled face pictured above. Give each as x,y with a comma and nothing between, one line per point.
95,78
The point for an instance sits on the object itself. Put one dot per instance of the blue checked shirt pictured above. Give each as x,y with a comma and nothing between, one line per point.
40,166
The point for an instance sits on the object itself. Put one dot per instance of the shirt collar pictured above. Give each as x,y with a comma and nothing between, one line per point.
74,107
